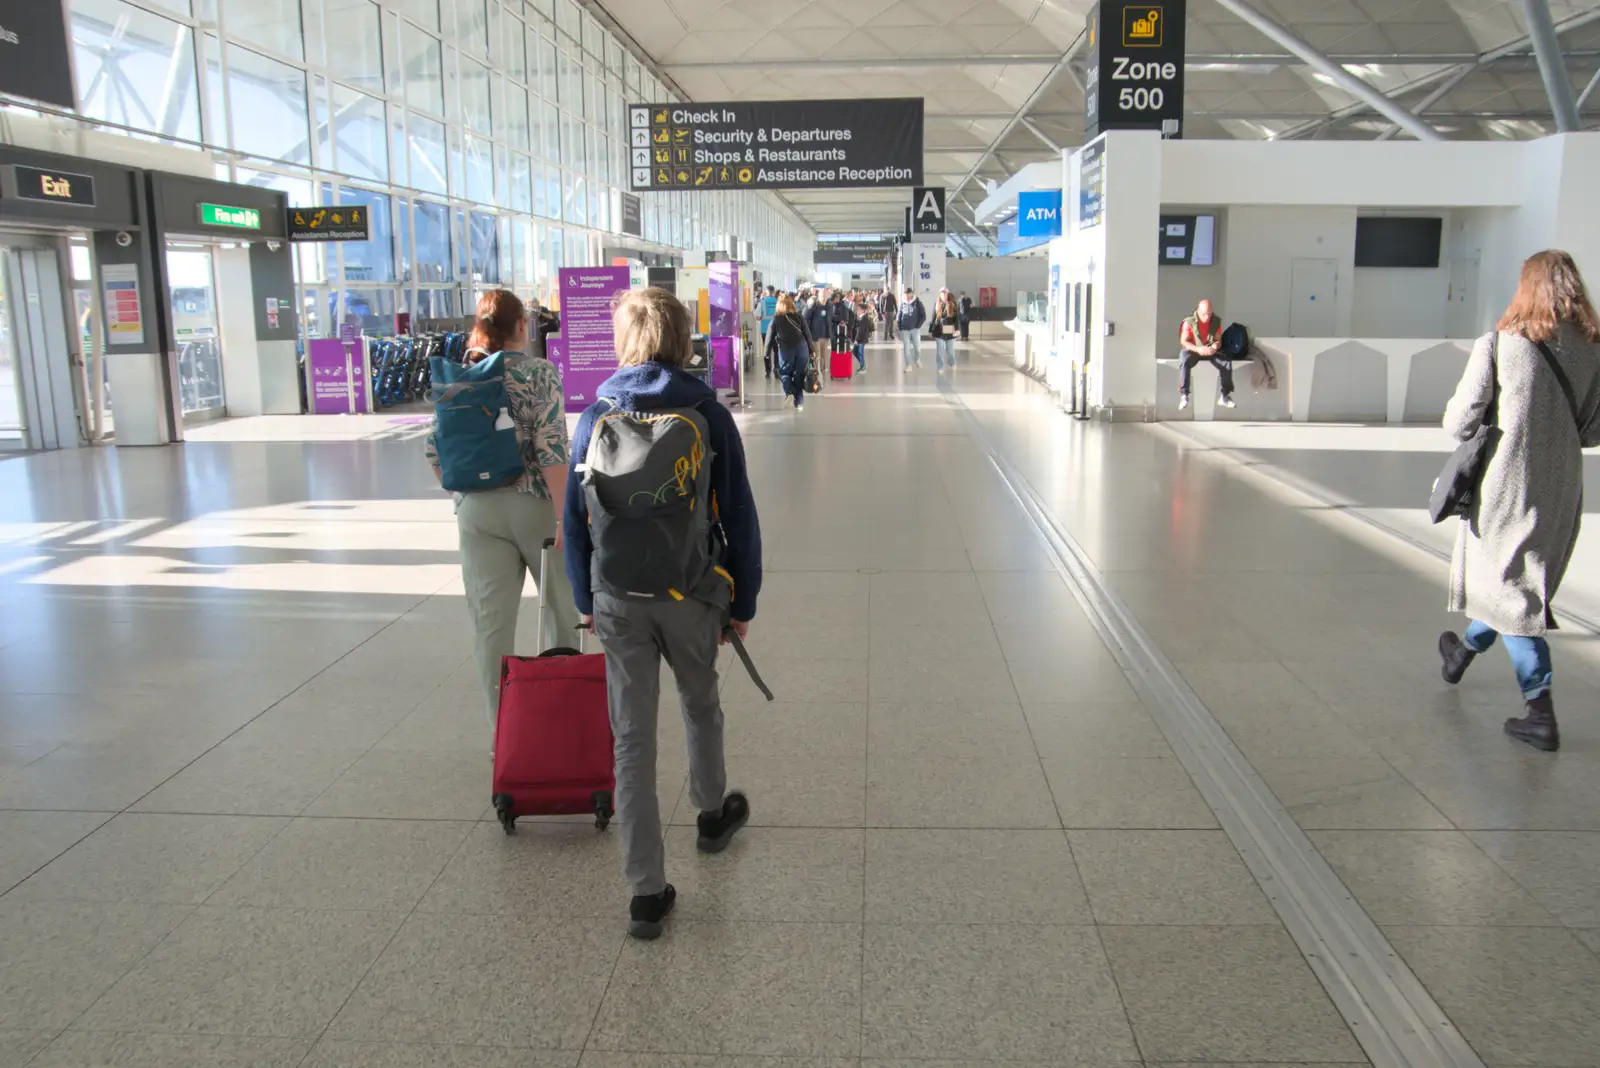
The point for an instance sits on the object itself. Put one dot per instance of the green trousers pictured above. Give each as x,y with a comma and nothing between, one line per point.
502,536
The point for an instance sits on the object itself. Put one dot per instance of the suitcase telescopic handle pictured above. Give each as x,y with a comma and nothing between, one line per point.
544,570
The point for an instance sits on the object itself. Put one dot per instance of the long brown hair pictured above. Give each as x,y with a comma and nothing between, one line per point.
786,305
500,313
1550,293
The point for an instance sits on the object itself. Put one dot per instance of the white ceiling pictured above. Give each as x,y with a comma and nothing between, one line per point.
977,62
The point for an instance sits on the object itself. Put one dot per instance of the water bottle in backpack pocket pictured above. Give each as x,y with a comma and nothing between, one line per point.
474,433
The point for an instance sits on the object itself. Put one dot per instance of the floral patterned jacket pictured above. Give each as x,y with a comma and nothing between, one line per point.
538,410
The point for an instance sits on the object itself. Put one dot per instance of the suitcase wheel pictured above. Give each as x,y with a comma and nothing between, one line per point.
502,809
602,810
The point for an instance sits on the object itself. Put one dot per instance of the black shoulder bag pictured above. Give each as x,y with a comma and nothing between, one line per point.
1456,488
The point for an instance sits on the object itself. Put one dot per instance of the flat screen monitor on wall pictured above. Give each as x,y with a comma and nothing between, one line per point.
1188,240
1395,241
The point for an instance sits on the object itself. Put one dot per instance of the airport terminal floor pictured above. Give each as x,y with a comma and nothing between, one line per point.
1094,745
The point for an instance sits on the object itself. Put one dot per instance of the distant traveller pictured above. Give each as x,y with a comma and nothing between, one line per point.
863,332
788,345
946,326
767,307
1537,377
912,315
819,323
886,312
965,304
1201,338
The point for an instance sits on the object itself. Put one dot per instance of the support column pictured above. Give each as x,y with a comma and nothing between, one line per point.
143,406
1552,66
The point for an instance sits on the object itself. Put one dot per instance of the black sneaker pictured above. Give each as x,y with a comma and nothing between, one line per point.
718,828
647,911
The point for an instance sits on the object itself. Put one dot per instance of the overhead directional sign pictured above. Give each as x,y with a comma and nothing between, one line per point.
342,223
776,144
852,251
927,213
54,187
1135,76
36,51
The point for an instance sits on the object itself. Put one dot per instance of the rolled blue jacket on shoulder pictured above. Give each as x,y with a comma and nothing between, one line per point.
652,387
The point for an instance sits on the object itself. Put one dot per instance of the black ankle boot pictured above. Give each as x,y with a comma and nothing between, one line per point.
1537,728
1456,656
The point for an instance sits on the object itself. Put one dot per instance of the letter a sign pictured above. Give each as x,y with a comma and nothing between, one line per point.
927,213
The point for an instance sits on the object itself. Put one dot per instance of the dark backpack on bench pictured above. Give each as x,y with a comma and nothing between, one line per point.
1236,342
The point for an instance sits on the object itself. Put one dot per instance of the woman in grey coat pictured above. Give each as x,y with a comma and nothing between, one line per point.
1513,549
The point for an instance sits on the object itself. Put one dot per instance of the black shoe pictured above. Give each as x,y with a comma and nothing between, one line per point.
1456,656
647,911
718,828
1538,728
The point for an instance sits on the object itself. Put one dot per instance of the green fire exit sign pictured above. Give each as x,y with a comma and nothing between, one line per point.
237,218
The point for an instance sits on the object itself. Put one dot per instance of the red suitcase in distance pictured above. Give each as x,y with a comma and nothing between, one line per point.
552,739
841,365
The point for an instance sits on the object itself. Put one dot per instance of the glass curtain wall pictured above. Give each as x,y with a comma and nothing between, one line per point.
488,137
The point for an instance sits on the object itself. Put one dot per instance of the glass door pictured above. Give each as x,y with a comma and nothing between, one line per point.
192,283
96,390
10,397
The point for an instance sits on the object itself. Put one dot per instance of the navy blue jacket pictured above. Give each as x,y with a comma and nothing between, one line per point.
650,387
819,320
912,315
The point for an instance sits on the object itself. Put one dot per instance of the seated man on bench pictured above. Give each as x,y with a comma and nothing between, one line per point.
1201,338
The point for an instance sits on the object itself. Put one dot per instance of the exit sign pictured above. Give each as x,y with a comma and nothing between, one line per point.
236,218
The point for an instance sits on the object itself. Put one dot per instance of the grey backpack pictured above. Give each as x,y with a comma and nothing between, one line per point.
647,480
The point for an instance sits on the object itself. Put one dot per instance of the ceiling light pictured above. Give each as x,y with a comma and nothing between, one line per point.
1233,68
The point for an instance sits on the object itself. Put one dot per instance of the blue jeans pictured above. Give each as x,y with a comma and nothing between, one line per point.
910,351
944,352
793,363
861,355
1530,657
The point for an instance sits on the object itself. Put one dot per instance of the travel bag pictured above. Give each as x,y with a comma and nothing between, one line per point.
841,364
1455,491
552,738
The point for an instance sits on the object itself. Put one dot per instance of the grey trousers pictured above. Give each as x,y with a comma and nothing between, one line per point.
637,636
502,534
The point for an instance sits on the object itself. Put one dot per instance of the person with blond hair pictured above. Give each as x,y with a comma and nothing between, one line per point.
664,553
503,527
945,327
1536,379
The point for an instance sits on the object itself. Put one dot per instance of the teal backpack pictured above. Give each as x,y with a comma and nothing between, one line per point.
474,434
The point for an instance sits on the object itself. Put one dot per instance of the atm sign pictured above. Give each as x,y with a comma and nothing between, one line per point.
234,218
54,187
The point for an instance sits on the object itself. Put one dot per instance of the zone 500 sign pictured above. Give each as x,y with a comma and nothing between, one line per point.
1135,78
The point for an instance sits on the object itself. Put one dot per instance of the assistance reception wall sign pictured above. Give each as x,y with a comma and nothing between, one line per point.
776,144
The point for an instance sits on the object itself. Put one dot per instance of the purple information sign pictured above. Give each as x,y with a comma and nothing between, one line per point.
723,294
585,352
338,377
722,370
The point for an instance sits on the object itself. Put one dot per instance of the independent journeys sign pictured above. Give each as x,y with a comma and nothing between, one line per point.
776,144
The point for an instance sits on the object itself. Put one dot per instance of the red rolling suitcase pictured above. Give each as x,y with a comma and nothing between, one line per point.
552,739
841,357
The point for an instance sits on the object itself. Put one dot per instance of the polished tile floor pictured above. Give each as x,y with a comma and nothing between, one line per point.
244,799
